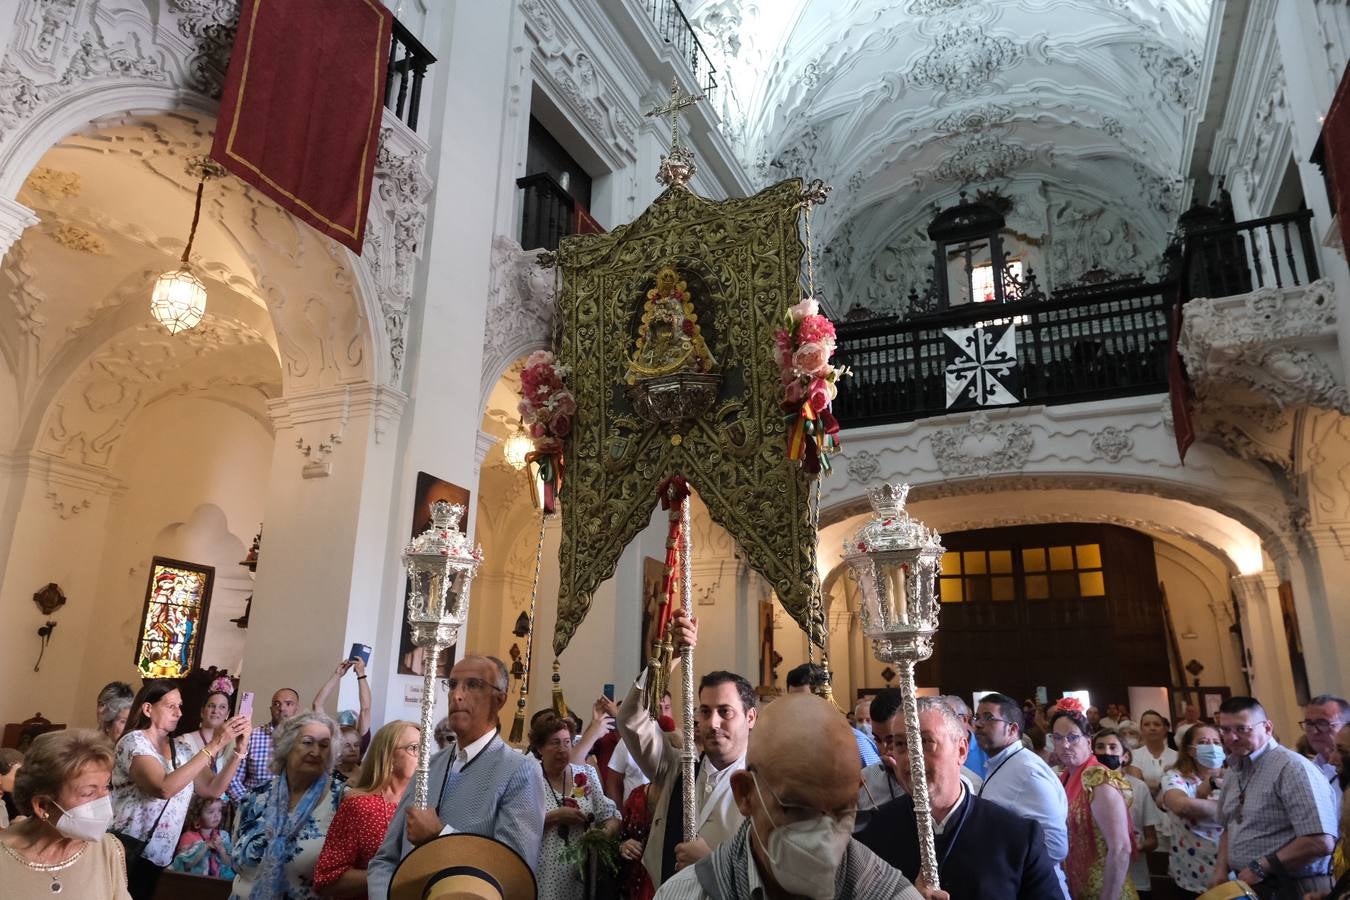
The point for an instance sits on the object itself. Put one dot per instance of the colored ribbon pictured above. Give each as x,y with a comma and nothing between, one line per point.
550,464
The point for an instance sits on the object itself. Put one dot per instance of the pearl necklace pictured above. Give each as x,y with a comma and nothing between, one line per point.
50,868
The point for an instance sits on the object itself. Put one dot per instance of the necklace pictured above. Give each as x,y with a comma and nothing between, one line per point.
49,868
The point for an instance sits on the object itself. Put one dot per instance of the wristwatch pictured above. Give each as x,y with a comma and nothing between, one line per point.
1258,870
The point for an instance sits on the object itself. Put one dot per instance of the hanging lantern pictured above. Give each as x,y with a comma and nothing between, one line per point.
441,562
894,560
517,448
178,300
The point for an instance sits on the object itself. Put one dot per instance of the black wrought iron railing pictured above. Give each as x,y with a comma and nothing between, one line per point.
548,212
1277,251
408,63
1112,343
674,28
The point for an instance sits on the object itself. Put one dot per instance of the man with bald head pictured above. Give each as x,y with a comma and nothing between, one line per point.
984,850
256,769
798,793
478,784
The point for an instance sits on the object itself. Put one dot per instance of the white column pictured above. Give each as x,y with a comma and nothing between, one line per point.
1323,612
1269,671
323,563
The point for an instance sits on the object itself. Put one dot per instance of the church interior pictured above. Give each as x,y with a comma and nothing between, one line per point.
1139,473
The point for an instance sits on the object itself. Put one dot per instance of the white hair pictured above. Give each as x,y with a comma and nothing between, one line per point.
956,705
288,732
956,729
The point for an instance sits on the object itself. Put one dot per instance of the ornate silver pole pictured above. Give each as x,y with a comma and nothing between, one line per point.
894,560
441,563
688,752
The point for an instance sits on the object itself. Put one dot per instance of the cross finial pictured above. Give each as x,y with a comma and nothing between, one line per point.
678,101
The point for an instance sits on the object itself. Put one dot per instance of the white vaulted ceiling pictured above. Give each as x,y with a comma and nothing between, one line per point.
1074,109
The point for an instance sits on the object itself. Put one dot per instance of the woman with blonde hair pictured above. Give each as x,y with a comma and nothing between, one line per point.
366,811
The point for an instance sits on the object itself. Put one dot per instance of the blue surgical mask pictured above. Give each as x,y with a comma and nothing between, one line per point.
1211,756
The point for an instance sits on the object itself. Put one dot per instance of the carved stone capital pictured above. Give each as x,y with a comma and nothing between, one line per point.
14,219
1277,346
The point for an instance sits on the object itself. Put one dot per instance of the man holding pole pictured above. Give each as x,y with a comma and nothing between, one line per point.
725,713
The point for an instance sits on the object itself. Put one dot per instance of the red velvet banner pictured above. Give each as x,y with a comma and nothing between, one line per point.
1336,145
301,110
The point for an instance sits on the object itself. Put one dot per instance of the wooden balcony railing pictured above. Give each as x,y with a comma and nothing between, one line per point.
674,27
548,212
1110,343
1277,251
408,63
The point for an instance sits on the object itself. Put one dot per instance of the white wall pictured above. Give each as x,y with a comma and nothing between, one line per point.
196,471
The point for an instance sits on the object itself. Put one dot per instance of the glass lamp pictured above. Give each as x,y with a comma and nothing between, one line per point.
894,560
516,448
441,563
178,301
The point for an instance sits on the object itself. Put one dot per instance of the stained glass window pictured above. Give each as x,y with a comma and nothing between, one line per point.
174,622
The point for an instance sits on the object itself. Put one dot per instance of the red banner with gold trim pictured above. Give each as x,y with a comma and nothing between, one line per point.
301,110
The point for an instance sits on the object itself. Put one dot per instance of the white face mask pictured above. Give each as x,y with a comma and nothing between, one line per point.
86,822
804,856
865,728
1132,742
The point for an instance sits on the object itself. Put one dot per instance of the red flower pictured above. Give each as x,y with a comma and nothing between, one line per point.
1069,704
580,779
815,329
688,327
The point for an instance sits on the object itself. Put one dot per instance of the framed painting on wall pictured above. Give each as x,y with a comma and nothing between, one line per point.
173,623
653,576
429,490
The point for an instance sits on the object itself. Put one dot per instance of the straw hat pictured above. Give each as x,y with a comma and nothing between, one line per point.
462,867
1229,890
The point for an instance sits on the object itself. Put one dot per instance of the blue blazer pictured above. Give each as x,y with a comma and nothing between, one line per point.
986,852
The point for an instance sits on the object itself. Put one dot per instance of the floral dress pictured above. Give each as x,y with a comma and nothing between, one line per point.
558,880
135,814
1087,848
1195,845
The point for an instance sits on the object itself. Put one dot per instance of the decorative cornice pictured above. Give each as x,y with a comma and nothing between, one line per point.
14,219
981,448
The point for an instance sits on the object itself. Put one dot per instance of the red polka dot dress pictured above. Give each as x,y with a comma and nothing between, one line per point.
354,837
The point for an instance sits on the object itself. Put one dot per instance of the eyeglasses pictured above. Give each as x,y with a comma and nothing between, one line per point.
796,813
900,742
1320,726
1069,739
986,718
470,684
410,749
1241,730
310,743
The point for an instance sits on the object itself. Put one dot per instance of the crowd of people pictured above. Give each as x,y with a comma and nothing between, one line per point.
791,798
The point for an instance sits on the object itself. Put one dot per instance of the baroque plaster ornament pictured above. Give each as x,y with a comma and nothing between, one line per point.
964,60
53,184
981,157
82,240
210,26
1176,77
1112,444
980,448
521,298
862,466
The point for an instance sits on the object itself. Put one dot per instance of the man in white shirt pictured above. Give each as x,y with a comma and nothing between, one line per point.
1323,718
1018,779
725,714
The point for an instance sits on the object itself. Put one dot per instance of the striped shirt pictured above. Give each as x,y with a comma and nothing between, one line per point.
1270,798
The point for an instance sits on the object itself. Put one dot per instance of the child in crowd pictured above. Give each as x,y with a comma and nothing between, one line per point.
204,848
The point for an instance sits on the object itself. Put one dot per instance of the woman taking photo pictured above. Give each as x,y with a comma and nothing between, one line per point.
215,713
63,846
1190,794
367,809
153,782
573,803
282,824
1100,840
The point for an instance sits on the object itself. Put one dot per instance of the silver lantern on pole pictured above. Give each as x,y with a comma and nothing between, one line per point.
441,563
894,560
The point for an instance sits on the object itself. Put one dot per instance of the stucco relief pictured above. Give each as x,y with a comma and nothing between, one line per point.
521,298
980,447
1112,444
964,60
1266,342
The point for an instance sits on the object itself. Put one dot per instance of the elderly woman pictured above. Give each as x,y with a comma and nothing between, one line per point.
63,845
153,781
573,804
11,761
282,824
367,809
1098,863
113,709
